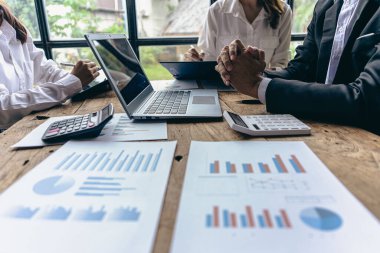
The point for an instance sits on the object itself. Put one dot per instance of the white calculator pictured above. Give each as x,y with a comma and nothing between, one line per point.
266,125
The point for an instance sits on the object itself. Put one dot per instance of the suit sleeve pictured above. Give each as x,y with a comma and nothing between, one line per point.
357,102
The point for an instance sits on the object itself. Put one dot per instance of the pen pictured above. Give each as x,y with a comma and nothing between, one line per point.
67,64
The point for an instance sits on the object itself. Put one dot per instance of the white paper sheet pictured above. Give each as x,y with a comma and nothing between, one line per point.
268,197
174,84
88,197
120,128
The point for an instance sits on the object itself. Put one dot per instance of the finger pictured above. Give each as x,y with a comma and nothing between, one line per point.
91,64
261,55
223,79
224,73
193,51
236,48
94,70
225,58
254,52
95,75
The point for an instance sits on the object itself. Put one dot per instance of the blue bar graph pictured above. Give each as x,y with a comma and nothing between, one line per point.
145,167
278,166
104,163
209,221
89,161
138,163
228,166
226,222
212,168
71,162
109,162
80,161
129,164
97,161
295,166
156,160
64,214
103,187
262,168
112,164
67,158
279,221
243,220
261,221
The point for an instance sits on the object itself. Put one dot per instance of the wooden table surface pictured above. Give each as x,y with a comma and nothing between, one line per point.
352,154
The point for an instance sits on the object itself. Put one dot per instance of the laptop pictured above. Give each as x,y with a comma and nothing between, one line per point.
134,90
202,71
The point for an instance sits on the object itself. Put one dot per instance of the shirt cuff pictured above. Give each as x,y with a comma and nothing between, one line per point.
263,89
72,85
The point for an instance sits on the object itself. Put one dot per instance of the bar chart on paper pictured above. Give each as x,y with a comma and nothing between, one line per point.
88,196
224,218
123,162
255,196
278,166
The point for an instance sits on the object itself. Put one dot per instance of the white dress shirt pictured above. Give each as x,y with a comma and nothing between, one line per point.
343,30
226,21
28,81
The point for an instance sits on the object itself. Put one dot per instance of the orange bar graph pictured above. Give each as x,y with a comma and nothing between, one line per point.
268,220
285,218
250,168
217,167
266,168
249,211
233,168
233,220
216,216
298,164
281,163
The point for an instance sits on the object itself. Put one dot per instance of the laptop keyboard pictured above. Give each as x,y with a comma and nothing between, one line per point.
169,102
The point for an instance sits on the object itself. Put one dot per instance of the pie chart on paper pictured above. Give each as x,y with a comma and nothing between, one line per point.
53,185
321,219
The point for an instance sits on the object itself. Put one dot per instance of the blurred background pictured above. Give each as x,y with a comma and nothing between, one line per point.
157,29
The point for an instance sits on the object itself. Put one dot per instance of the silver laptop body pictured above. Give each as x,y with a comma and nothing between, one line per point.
136,94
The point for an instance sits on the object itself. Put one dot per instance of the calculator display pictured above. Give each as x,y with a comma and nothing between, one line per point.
237,119
105,112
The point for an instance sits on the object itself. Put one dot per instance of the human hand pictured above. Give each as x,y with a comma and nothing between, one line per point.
86,71
193,55
226,58
247,69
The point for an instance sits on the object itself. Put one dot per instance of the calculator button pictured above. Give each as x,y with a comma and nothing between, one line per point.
91,124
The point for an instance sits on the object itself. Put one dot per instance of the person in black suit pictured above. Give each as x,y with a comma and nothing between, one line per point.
335,74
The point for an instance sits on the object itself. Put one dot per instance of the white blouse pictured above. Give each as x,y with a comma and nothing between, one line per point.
226,21
28,81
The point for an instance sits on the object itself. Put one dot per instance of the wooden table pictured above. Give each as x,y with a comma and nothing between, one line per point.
352,154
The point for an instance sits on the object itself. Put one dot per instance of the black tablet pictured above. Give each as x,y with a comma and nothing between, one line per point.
194,70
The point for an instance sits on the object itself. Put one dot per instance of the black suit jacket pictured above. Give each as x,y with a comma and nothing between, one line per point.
354,96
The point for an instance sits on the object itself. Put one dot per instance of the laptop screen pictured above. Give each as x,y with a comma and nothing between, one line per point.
123,66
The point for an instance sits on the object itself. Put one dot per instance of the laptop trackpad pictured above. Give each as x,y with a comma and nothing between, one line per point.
203,100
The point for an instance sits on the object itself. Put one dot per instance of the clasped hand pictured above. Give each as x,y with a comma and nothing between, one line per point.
241,67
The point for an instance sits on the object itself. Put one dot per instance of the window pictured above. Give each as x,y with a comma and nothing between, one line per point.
157,29
25,11
171,18
71,19
302,14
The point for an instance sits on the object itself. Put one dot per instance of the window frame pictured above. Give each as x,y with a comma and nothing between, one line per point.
48,45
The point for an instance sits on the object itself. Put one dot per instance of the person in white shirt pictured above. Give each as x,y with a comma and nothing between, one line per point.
265,23
28,81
